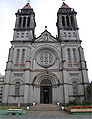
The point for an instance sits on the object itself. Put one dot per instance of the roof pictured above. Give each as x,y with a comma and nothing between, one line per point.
27,6
64,5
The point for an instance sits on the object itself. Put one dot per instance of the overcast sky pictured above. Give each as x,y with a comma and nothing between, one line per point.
46,15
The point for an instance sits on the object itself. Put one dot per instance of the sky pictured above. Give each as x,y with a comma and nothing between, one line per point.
45,15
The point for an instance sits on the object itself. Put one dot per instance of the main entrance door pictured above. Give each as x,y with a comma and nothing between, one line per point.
46,92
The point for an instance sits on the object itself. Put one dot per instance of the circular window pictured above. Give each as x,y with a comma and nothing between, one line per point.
46,58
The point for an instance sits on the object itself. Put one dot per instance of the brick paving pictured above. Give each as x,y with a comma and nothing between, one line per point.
47,115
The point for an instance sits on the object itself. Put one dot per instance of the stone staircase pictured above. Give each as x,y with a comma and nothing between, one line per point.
45,107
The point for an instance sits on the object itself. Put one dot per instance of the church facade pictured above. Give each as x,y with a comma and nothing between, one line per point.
45,69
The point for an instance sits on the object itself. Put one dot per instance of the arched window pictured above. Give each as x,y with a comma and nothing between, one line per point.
63,20
17,88
67,19
28,22
20,20
75,88
17,55
74,55
69,55
24,21
23,56
72,21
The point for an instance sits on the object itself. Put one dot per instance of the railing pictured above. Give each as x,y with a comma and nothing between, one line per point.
15,111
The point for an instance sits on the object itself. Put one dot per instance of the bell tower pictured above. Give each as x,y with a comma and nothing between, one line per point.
25,24
67,23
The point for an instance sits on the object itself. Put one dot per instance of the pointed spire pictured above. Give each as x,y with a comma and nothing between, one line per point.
64,5
27,6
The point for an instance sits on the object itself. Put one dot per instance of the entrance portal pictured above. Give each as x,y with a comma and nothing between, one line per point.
46,92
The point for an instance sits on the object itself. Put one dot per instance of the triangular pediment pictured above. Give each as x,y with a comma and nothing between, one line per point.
46,37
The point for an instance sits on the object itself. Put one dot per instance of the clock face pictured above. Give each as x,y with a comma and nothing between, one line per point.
46,58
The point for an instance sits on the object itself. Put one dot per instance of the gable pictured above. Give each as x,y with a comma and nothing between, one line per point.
46,37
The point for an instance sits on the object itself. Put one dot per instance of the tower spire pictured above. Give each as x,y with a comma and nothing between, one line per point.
28,1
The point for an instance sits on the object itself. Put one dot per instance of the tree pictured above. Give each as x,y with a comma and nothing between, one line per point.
89,92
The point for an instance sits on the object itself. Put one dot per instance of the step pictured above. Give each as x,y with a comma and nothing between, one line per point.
45,107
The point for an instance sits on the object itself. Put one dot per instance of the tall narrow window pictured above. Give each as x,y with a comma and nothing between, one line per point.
28,22
72,21
75,88
24,22
69,55
23,55
67,19
20,20
17,88
74,55
17,56
63,20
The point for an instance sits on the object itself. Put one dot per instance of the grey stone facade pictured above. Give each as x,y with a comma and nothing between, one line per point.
1,87
45,69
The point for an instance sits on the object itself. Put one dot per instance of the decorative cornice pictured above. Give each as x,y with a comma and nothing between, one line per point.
38,70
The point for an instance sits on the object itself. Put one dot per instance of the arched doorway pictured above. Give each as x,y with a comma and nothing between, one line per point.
46,91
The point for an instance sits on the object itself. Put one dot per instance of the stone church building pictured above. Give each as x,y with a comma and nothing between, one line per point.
45,69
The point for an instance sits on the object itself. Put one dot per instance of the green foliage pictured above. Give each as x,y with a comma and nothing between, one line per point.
11,107
89,93
89,88
74,102
86,102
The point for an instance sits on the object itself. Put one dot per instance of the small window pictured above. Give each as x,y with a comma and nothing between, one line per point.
17,36
22,36
20,20
63,20
74,55
65,35
69,34
74,34
67,20
17,55
24,21
75,88
72,21
69,55
28,22
23,55
17,88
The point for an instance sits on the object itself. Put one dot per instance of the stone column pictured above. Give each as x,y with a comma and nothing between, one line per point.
27,77
26,21
7,76
65,22
64,78
75,22
70,21
22,22
6,87
26,85
83,70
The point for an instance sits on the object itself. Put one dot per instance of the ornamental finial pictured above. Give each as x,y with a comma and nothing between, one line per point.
45,27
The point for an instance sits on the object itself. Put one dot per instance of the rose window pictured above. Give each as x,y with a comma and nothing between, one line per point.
46,58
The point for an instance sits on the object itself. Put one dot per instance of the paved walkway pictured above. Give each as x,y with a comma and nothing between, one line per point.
47,115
